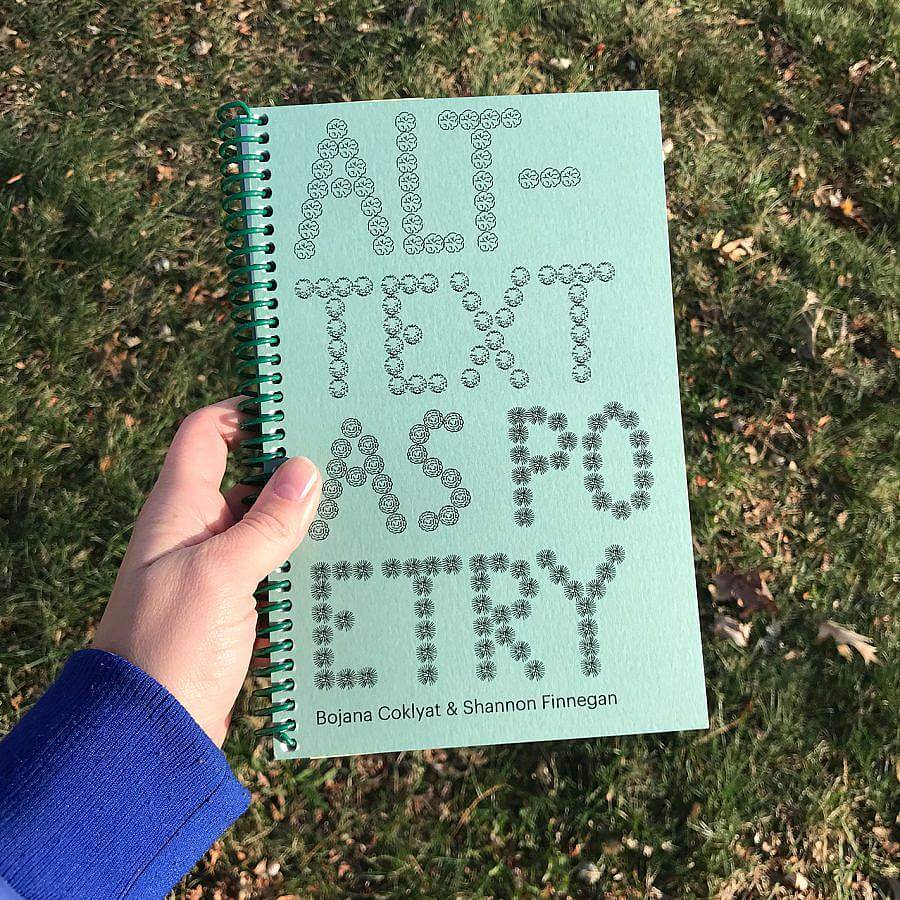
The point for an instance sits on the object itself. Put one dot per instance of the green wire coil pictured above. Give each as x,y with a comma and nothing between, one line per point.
245,197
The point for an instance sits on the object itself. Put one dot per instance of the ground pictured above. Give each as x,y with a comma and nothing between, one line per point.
780,129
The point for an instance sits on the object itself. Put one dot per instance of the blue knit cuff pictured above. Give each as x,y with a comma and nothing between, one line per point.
108,787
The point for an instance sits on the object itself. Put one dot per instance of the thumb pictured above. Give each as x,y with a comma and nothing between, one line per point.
273,527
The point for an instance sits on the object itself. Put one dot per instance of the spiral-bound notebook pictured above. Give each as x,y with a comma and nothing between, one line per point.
461,310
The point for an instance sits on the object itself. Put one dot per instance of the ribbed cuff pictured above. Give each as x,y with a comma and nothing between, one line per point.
108,787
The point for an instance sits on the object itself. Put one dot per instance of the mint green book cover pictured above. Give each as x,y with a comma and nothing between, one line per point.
476,347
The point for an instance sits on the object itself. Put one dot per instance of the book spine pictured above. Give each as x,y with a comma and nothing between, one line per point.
246,202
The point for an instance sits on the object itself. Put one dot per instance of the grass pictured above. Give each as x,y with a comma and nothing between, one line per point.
782,118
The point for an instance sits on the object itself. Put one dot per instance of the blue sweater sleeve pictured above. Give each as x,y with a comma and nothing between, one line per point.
108,787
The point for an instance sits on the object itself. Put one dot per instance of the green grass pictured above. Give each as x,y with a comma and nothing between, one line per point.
112,326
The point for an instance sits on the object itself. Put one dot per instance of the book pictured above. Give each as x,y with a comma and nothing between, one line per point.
461,310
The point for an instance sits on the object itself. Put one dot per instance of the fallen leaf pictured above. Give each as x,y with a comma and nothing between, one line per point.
730,629
845,638
797,880
201,47
833,201
748,590
589,873
105,463
737,249
110,359
163,173
717,240
813,316
797,179
858,71
166,81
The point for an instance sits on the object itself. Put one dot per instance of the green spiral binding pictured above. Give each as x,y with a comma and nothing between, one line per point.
251,294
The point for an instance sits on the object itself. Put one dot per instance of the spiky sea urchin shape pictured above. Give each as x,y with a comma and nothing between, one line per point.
534,670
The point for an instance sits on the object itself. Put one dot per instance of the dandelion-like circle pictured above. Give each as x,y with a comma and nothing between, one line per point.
486,671
343,621
519,569
367,677
321,613
534,670
322,635
324,680
323,658
520,651
427,675
426,653
484,649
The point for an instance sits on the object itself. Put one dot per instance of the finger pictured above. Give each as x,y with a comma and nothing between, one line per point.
235,500
186,506
272,528
199,451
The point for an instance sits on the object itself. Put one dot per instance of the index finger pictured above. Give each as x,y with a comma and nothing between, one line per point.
199,450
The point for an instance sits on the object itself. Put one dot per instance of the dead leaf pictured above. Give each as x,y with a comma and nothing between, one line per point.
166,81
845,638
717,240
730,629
858,71
813,316
797,179
833,201
105,463
163,173
110,359
737,249
748,590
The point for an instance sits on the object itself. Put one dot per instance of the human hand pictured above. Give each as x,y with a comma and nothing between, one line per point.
182,608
